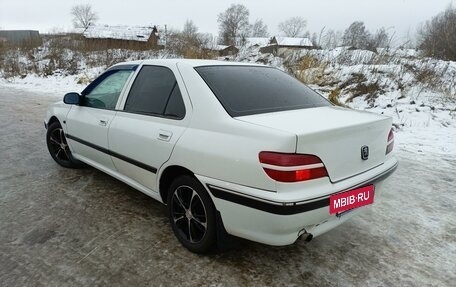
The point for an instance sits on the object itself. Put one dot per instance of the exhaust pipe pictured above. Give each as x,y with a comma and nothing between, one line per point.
303,235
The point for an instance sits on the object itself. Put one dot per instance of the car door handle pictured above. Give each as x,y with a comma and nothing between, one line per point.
164,135
103,123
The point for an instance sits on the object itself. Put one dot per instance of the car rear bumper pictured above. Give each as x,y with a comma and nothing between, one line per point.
277,222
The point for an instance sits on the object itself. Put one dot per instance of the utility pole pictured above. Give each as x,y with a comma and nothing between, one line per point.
166,35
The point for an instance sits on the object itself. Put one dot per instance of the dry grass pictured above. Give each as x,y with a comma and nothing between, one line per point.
370,90
334,97
84,79
308,69
309,62
66,54
71,53
198,53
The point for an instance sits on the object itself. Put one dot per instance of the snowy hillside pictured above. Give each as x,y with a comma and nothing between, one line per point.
419,93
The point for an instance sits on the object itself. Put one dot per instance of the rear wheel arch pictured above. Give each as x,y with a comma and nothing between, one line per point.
168,176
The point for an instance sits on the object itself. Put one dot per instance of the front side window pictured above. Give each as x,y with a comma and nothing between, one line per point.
155,92
106,93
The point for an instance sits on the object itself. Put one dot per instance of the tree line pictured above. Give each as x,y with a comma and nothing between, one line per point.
436,38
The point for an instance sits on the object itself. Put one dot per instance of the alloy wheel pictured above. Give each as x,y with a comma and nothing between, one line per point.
59,145
189,214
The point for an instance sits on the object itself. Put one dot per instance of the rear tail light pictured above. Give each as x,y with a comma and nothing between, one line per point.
291,167
390,144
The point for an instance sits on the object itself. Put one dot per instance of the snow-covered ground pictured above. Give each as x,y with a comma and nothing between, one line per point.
54,86
421,127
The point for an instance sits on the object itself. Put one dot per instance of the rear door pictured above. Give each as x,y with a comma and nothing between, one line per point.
87,123
154,116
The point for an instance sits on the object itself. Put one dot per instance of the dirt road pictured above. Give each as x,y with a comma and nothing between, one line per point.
61,227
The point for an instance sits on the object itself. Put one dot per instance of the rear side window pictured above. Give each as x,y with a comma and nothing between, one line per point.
175,107
248,90
155,92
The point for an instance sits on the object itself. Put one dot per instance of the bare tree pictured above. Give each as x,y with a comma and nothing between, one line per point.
437,38
320,36
409,41
381,39
330,40
293,27
314,40
357,36
190,30
259,29
188,42
233,23
83,16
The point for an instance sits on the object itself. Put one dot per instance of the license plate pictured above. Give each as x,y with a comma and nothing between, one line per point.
351,199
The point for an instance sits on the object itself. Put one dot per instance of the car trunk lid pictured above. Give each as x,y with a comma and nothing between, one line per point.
336,135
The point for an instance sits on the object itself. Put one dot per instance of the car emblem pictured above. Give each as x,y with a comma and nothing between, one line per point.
365,152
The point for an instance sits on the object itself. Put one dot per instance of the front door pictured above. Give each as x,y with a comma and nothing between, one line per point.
88,123
145,131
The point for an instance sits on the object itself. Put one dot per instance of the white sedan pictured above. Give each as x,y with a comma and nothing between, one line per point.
231,148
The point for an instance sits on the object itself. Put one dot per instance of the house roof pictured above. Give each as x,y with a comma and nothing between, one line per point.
260,41
223,47
289,41
130,33
219,47
77,30
212,45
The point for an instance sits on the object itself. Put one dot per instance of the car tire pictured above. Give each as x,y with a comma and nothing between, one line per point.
58,147
192,214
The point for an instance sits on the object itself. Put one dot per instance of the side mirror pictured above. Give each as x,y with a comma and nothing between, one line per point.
72,99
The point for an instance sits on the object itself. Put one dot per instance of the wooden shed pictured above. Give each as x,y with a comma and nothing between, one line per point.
121,35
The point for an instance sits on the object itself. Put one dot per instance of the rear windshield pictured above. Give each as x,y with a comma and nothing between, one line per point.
248,90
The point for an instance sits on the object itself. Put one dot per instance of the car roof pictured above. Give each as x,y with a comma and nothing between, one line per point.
190,62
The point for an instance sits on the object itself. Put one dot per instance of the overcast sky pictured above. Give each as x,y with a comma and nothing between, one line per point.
400,15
